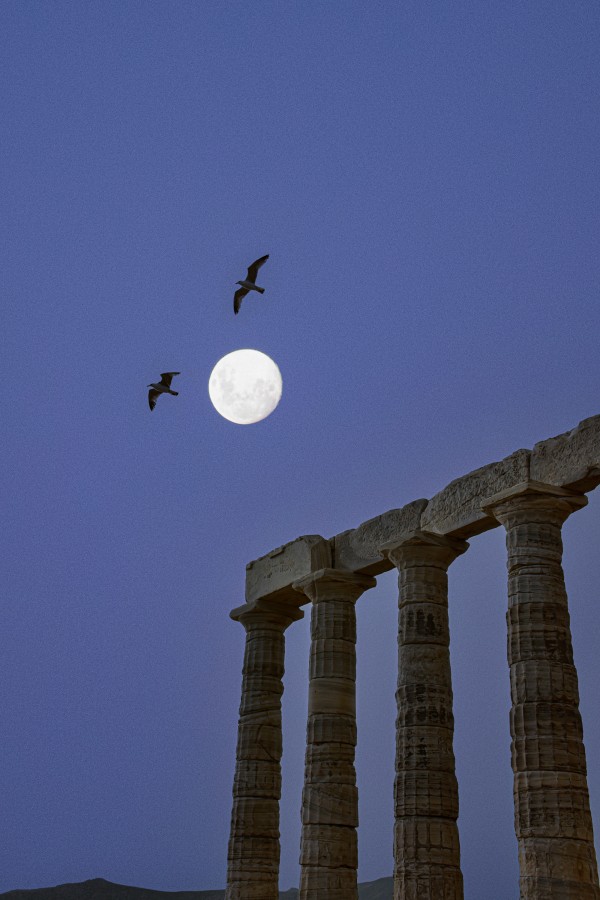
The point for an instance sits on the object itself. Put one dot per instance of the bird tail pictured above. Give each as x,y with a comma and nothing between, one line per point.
260,290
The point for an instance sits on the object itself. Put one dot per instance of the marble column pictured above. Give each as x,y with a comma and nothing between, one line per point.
329,850
426,842
253,854
552,810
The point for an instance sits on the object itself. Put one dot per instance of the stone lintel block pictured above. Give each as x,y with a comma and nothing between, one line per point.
457,509
571,459
358,550
270,577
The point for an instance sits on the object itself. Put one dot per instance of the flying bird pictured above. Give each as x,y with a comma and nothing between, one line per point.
161,387
249,283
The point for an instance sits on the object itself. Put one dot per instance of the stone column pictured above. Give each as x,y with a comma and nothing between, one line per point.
552,810
426,843
253,854
329,852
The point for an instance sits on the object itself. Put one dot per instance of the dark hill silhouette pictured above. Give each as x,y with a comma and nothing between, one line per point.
99,889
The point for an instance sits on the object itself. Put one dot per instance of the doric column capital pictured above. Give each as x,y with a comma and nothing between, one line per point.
533,501
266,614
334,584
424,548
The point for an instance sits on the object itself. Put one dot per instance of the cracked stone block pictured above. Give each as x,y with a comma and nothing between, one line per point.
358,550
571,459
456,510
271,576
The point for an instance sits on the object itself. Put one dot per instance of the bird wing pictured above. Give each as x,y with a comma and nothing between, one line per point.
152,395
167,377
253,269
237,299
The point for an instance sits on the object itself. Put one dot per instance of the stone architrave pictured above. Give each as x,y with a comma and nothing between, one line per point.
329,853
254,849
571,459
552,811
426,841
457,510
270,577
358,550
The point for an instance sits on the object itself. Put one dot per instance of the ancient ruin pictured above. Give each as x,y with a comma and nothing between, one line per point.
531,493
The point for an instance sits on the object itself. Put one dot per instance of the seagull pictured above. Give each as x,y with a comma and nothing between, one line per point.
249,283
162,387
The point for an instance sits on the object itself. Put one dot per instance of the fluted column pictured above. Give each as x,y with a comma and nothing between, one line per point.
253,855
329,852
426,843
552,811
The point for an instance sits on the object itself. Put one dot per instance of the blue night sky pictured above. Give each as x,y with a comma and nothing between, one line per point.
426,180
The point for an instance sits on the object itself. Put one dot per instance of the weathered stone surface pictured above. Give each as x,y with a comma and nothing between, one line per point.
421,703
253,854
425,882
456,510
358,550
552,815
574,864
531,493
542,681
328,854
332,883
431,850
430,847
271,576
571,459
331,730
426,843
328,847
427,840
425,747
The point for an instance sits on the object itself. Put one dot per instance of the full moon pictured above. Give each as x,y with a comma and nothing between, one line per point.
245,386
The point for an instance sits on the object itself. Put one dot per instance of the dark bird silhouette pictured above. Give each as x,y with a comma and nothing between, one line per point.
249,283
162,387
